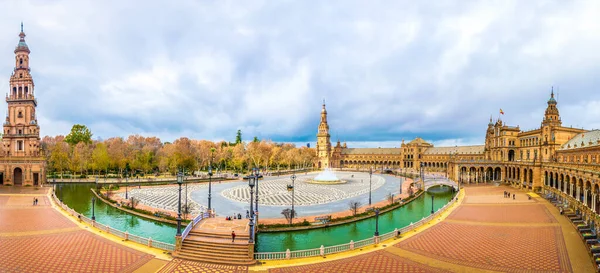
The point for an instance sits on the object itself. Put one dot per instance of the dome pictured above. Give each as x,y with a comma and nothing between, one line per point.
551,100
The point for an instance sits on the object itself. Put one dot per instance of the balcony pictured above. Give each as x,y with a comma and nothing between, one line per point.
22,99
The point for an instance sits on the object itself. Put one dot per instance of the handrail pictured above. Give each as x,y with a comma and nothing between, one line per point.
121,234
193,223
351,245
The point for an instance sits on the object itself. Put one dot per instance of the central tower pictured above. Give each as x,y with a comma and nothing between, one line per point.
323,141
21,161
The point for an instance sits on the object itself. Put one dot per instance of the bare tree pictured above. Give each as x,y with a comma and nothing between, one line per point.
133,202
354,205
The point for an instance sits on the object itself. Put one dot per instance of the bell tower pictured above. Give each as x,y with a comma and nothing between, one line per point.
21,161
323,141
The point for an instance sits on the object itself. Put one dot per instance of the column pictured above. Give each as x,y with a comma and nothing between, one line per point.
577,193
594,202
585,197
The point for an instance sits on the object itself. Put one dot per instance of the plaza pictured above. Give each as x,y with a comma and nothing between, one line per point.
401,170
483,232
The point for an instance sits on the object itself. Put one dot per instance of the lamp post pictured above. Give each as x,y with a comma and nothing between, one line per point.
370,180
126,196
251,224
209,184
186,197
431,204
93,208
256,176
376,222
293,213
179,181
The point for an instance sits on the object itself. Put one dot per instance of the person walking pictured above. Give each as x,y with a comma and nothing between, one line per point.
513,196
233,236
34,201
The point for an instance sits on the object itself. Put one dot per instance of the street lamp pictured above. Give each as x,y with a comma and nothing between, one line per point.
179,181
251,224
370,180
293,213
431,204
209,184
376,222
126,196
93,208
256,176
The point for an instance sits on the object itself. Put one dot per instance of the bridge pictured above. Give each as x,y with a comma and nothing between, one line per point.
432,182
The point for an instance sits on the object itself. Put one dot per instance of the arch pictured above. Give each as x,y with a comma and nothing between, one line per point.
18,176
511,155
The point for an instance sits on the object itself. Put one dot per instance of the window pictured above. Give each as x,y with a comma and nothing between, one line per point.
20,115
20,75
21,61
19,145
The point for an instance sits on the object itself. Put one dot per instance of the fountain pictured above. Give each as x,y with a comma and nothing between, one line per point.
326,177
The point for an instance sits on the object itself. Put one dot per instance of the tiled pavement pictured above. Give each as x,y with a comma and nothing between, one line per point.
377,262
179,266
40,239
534,213
488,232
501,248
76,251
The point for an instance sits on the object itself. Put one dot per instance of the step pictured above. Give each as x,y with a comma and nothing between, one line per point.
218,235
236,256
215,250
216,243
216,240
214,261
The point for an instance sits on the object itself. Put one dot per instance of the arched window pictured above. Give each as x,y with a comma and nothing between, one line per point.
21,61
20,115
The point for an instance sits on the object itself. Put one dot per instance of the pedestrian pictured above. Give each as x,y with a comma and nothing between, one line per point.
233,236
34,201
247,214
513,196
504,194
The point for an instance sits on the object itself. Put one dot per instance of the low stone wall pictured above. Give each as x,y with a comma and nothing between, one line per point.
143,215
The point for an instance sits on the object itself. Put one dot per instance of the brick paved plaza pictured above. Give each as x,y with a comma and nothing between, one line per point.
486,232
41,239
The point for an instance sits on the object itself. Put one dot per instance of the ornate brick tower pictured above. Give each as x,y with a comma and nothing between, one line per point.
21,160
323,141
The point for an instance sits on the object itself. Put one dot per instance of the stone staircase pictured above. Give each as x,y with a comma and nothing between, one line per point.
217,248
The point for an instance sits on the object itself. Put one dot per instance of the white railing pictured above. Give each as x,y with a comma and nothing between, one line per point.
123,235
193,223
351,245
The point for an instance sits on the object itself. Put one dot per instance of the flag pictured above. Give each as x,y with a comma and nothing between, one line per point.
501,112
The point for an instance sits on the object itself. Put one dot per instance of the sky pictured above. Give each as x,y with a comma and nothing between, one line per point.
387,70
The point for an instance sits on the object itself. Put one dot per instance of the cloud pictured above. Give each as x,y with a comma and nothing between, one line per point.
388,71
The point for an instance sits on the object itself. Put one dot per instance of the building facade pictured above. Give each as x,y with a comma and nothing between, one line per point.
21,160
552,159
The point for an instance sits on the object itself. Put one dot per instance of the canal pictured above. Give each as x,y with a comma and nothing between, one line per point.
79,196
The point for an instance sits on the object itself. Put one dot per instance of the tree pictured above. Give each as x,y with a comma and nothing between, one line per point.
354,205
288,214
238,137
79,133
100,158
255,139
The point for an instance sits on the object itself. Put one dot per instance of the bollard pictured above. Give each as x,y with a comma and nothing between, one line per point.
108,229
149,241
126,235
288,254
351,245
322,250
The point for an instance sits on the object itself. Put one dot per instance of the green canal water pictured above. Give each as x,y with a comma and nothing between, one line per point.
79,198
342,234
